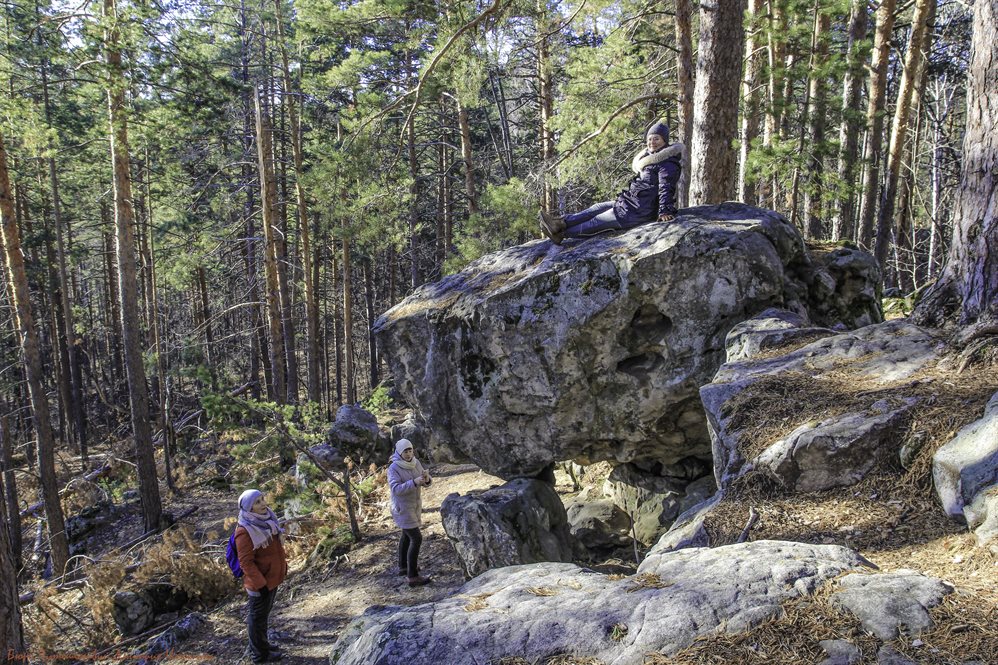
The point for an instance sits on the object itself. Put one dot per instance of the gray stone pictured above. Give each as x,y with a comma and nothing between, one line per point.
537,611
595,350
877,354
888,655
355,431
770,330
840,652
133,612
329,456
656,500
522,521
886,603
598,524
837,451
688,529
968,463
982,517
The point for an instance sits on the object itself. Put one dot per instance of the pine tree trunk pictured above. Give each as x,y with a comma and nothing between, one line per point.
844,219
545,100
131,333
685,91
11,631
10,492
776,53
719,72
750,101
372,347
913,63
77,417
813,211
415,275
268,190
24,320
469,164
351,390
967,290
875,120
255,318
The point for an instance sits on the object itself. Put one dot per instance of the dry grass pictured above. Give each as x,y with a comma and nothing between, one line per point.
478,602
542,591
648,581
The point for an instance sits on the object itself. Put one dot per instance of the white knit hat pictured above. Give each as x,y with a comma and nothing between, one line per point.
402,445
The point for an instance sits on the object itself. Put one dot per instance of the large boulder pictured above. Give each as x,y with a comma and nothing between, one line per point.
522,521
534,612
355,431
967,465
595,350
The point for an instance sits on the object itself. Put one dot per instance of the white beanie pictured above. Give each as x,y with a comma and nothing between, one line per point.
402,445
248,498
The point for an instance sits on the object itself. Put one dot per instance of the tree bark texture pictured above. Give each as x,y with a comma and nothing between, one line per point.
10,492
131,332
268,191
30,347
715,127
685,90
875,119
914,62
844,216
545,99
750,100
813,205
11,631
967,290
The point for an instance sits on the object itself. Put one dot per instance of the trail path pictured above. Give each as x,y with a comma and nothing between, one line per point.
314,604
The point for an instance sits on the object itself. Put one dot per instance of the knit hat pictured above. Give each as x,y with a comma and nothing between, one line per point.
402,445
248,498
660,128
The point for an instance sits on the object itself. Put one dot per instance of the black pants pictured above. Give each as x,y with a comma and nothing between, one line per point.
409,551
256,623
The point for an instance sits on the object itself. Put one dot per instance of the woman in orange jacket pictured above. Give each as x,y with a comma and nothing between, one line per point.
264,564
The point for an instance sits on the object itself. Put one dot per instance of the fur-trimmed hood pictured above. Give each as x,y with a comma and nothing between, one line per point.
643,160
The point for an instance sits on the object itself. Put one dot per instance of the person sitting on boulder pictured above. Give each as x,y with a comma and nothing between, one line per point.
406,477
264,565
650,195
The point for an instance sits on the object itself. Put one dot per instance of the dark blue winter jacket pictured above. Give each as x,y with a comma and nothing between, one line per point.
652,191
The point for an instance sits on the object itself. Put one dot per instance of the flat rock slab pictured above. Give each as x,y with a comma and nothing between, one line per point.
541,610
888,603
595,350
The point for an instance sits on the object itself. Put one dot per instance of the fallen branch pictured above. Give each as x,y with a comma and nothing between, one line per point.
35,507
74,579
752,519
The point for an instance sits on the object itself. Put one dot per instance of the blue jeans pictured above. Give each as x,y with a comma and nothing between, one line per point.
595,219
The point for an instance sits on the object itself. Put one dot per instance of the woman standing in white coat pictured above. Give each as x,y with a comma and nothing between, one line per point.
406,477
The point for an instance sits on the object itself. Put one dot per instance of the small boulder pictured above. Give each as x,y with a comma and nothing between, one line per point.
521,521
968,464
133,612
886,603
356,430
982,517
598,525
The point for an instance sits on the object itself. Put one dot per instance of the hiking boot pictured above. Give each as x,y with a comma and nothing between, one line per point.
553,227
403,572
419,580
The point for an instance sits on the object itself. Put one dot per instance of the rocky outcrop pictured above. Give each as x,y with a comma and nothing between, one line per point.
596,350
772,329
522,521
834,451
656,499
967,466
355,431
537,611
